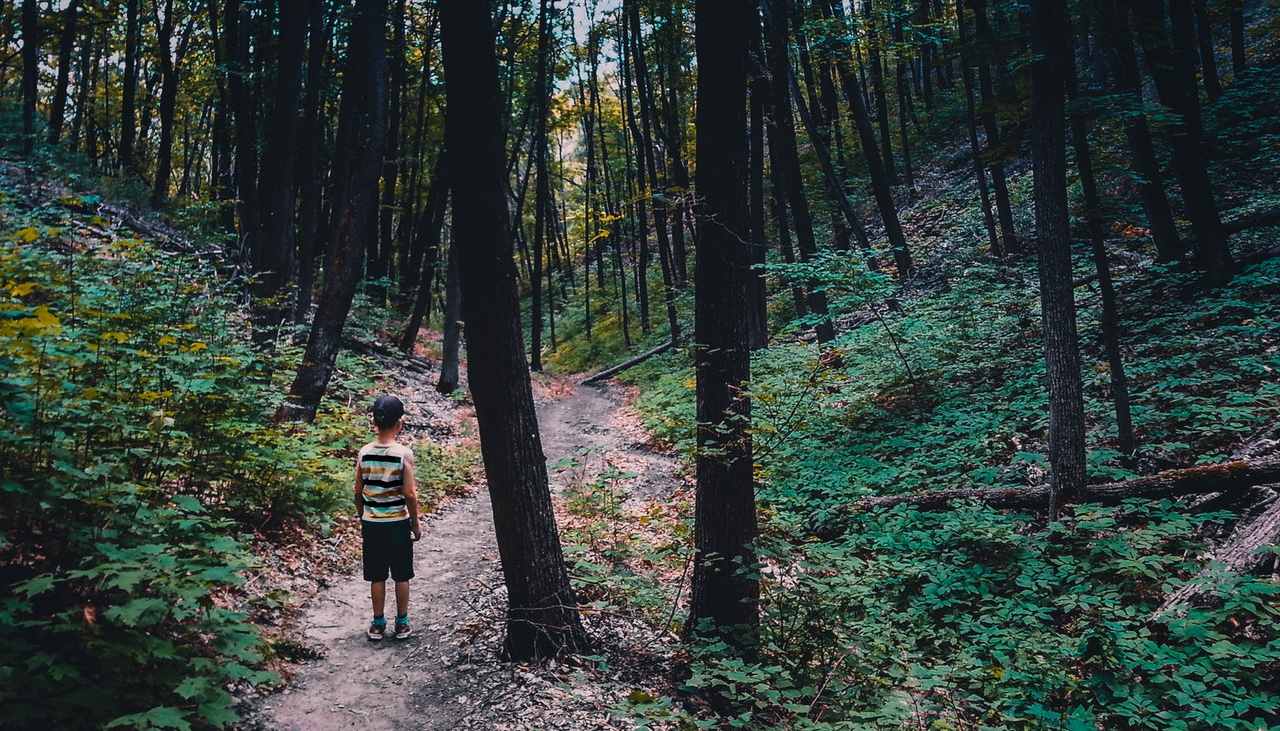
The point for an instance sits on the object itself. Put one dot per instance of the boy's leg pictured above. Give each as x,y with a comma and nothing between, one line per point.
378,592
402,598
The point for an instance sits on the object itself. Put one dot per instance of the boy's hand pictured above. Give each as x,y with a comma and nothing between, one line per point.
414,531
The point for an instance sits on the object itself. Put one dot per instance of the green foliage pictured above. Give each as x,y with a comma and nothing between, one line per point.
971,617
137,451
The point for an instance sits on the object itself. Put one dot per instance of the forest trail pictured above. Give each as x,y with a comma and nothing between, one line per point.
425,682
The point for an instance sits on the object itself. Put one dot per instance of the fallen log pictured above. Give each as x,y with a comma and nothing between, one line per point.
614,370
1242,553
1264,217
377,350
1225,477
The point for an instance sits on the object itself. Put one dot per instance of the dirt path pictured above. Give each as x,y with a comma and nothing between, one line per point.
430,680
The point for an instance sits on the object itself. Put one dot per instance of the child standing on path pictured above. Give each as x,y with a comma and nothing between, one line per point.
387,504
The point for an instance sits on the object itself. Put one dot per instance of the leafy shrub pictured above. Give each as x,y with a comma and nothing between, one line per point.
136,450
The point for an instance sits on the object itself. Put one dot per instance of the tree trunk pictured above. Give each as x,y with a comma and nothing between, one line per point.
1238,63
877,82
1053,249
380,255
881,184
1004,211
1110,316
644,141
428,231
452,317
273,255
237,30
542,193
726,589
757,294
979,172
30,72
788,161
361,132
1170,66
1208,59
310,169
65,45
1114,22
542,616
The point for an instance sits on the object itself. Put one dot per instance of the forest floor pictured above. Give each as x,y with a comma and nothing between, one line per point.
448,675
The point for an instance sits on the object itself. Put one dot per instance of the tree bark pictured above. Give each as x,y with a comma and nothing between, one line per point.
310,168
1238,64
1170,66
1053,253
1110,316
428,231
361,134
1004,211
273,255
788,161
66,44
877,82
452,337
542,616
30,72
975,149
542,193
758,297
237,29
726,591
1114,21
1208,59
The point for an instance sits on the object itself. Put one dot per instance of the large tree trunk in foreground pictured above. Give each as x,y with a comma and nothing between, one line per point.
726,591
361,133
1226,477
1053,252
542,614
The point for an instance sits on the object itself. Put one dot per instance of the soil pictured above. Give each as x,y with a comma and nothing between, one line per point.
447,675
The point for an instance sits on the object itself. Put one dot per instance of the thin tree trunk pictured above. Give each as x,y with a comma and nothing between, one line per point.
30,72
757,294
66,44
966,74
1208,59
542,195
542,616
1053,239
877,82
1004,211
1114,21
789,161
361,133
1110,316
726,589
1170,66
245,107
309,164
452,316
273,255
1238,64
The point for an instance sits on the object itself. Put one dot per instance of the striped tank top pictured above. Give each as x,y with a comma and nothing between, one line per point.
382,477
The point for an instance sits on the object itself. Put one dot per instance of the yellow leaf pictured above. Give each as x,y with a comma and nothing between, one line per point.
45,322
22,290
27,235
115,336
166,340
197,346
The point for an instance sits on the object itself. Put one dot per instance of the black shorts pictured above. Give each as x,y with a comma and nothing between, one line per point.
387,547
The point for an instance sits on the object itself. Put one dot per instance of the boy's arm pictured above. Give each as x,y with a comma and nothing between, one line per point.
410,491
359,491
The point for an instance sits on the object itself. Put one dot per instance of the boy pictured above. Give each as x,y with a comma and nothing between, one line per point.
387,504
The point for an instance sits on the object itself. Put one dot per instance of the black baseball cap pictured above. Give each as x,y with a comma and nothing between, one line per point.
387,410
